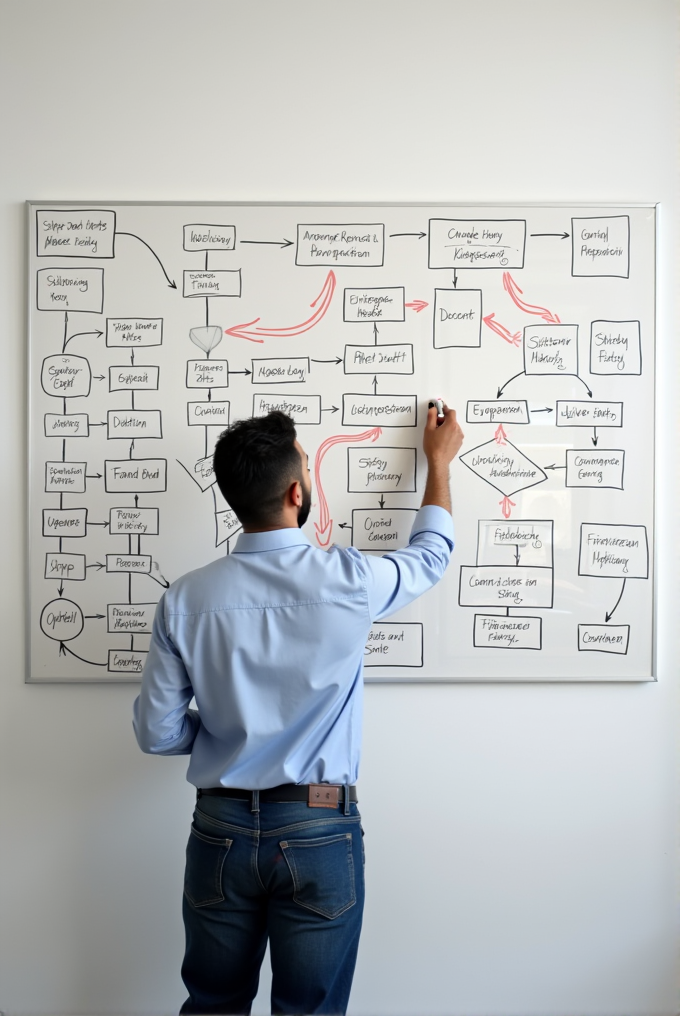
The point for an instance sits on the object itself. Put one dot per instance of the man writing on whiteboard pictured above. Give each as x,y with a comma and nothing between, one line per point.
270,641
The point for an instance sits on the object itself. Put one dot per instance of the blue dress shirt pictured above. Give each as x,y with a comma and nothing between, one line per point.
270,641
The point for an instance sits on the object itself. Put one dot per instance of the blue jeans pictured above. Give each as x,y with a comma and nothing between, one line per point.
288,873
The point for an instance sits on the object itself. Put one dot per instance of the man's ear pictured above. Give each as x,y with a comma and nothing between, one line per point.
294,494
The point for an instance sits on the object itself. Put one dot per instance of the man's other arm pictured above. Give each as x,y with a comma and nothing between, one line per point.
400,577
162,720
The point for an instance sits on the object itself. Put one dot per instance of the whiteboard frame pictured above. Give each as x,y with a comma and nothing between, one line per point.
30,205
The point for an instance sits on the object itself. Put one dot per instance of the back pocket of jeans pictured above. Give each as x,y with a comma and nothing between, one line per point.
205,860
323,873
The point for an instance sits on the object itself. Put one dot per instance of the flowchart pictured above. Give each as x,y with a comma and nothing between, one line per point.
151,331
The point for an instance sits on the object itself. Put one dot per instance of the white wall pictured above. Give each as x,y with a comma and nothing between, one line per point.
522,839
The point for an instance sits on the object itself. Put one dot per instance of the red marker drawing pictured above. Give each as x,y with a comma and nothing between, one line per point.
259,334
506,506
324,526
514,338
512,289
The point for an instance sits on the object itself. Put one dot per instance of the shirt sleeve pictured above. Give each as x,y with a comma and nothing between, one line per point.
162,720
400,577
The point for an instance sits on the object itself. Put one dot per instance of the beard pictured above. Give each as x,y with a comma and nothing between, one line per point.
305,507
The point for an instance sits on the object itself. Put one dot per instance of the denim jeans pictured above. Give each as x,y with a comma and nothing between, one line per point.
288,874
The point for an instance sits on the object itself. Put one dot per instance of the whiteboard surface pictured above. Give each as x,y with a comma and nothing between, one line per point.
153,326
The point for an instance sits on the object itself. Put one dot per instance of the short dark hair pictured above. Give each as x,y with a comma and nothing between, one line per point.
255,462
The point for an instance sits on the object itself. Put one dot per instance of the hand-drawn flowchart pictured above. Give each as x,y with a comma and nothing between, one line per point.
151,331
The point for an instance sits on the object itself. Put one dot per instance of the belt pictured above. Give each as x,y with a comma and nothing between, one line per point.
316,795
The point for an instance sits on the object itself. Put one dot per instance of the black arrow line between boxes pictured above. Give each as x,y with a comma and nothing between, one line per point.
333,409
420,235
375,385
609,616
246,371
275,243
63,649
375,334
594,438
546,410
562,235
171,284
336,360
98,565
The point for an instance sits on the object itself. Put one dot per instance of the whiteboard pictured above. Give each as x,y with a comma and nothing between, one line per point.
152,326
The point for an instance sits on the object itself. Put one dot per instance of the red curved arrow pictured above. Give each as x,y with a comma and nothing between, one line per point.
513,338
506,506
259,334
324,526
512,289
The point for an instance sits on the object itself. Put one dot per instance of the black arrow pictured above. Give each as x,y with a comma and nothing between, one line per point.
63,347
65,649
136,500
375,333
99,377
209,394
381,502
246,371
594,437
546,410
584,384
132,445
93,476
375,385
517,554
455,278
63,450
419,235
98,523
161,581
61,589
500,390
563,235
553,466
66,342
102,424
344,525
171,284
94,615
609,616
337,360
98,565
333,409
132,356
276,243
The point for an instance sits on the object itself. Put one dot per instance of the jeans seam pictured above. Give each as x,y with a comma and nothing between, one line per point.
254,855
290,859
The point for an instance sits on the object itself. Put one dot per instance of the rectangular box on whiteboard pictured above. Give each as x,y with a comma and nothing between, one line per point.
374,304
493,631
386,410
71,290
477,243
302,408
212,283
457,318
391,644
357,244
611,551
75,232
380,469
200,236
126,332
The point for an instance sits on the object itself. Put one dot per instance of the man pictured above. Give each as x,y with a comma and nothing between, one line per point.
270,641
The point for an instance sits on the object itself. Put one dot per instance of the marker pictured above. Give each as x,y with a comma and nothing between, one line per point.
439,403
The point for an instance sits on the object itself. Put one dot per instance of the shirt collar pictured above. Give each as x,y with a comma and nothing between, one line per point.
276,539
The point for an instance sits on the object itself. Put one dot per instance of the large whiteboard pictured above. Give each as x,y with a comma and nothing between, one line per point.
154,325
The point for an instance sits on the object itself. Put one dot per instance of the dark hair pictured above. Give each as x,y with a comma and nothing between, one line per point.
255,461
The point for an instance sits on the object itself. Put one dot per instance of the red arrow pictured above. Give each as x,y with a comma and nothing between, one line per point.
506,504
324,526
417,305
259,334
500,434
514,338
512,289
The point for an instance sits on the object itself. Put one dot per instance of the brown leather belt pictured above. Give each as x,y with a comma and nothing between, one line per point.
316,795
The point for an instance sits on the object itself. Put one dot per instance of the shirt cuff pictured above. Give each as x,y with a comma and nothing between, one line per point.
433,519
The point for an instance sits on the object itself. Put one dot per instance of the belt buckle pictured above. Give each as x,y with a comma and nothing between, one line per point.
323,795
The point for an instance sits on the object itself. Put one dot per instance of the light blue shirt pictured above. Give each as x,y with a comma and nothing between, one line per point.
270,641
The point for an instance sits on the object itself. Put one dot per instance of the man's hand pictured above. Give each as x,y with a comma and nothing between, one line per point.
443,437
441,443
